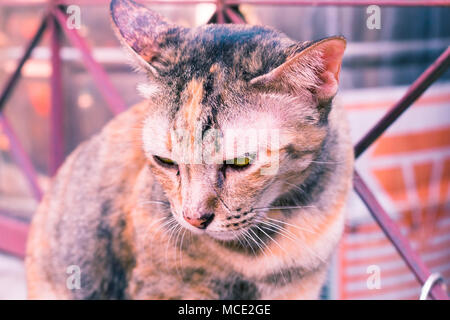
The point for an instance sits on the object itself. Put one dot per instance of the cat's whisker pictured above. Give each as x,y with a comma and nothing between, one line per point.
171,233
282,232
257,243
265,246
181,248
176,237
170,221
246,238
283,222
281,247
282,208
292,225
276,242
298,187
156,221
328,162
303,245
152,232
279,227
170,228
178,233
168,225
283,235
238,238
175,247
166,203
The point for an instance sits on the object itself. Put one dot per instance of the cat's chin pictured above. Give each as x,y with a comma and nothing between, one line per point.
222,236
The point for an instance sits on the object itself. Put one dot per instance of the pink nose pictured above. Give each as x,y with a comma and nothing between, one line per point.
200,221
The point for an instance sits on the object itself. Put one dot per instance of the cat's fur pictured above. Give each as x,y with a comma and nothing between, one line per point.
117,213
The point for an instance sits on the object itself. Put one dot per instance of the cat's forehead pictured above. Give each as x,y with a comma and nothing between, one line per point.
236,51
197,122
203,108
213,67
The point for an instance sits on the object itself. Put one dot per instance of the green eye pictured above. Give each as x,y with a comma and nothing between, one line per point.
165,161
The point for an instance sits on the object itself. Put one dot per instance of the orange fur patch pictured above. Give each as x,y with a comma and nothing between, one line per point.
192,108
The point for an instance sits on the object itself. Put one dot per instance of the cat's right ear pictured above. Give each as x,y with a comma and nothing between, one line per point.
144,32
314,66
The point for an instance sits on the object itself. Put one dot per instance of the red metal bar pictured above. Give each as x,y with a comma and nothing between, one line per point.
233,16
109,93
21,158
219,12
17,150
394,234
6,92
13,236
432,73
56,115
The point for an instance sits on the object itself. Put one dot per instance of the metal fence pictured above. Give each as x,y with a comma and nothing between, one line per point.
13,232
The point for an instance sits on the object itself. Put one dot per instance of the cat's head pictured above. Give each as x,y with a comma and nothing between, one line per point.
236,116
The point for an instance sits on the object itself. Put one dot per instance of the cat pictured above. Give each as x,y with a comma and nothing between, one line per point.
140,217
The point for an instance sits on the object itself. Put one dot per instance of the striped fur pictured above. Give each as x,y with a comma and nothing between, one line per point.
121,215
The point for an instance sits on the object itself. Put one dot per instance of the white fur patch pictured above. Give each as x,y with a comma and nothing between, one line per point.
154,136
147,90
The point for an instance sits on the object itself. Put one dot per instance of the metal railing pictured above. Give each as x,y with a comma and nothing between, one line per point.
13,233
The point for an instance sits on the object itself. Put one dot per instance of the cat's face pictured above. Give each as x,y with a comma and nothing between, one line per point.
236,114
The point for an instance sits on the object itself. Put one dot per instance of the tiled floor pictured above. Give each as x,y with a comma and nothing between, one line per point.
12,278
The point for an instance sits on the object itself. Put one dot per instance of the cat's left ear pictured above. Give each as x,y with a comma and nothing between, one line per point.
146,34
315,68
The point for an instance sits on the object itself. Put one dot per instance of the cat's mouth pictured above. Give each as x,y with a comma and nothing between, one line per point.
229,235
232,228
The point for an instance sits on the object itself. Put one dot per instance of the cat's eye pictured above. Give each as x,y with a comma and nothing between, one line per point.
239,163
165,161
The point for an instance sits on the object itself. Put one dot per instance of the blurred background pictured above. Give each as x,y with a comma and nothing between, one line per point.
408,168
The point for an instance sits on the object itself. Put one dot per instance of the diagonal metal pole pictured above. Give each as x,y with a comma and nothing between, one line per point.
13,235
17,150
7,90
226,14
393,233
21,158
220,12
419,86
234,16
56,114
387,225
109,93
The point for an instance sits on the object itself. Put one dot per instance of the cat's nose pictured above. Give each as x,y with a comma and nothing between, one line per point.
200,221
